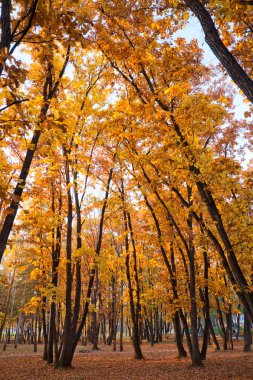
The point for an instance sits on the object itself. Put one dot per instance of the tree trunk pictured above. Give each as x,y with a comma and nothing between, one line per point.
44,324
178,336
222,326
229,331
215,341
121,317
206,310
35,332
94,316
196,355
247,333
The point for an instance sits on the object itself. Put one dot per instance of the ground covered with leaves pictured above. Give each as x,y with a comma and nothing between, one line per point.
160,363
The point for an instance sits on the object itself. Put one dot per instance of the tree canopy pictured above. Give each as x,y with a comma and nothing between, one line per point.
124,190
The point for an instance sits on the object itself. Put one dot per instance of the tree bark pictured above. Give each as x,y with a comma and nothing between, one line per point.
196,355
247,333
178,336
222,326
206,310
121,317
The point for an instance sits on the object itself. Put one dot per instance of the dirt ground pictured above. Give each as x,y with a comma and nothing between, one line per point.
160,363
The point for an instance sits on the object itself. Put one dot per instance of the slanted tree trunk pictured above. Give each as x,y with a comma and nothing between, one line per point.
215,341
178,336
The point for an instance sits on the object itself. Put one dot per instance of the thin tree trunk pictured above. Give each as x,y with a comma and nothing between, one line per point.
222,326
215,341
121,317
35,347
206,310
94,316
44,324
238,324
196,356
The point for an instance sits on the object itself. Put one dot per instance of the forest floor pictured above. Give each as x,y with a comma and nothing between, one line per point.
160,363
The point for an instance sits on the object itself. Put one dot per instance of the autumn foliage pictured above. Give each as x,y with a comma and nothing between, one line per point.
125,194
